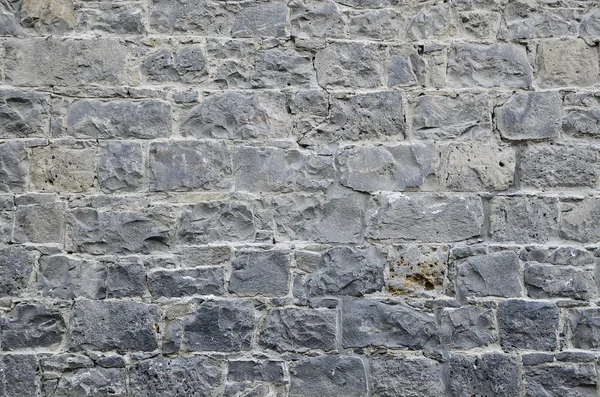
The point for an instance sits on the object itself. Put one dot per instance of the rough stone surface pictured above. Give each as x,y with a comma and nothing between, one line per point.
569,379
529,115
579,220
313,377
489,374
581,69
120,166
260,273
528,325
468,327
31,326
495,274
185,282
524,219
406,376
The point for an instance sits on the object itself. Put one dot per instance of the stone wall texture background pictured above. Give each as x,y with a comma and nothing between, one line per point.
299,198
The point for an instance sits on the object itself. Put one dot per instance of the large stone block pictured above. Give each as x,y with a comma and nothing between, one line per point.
468,327
491,374
19,375
209,18
313,377
566,63
13,167
524,219
585,328
120,166
528,325
92,382
316,18
263,19
561,379
39,223
31,326
530,115
581,115
16,266
185,282
350,65
551,281
265,273
66,277
406,376
580,220
496,274
188,64
119,19
283,68
23,114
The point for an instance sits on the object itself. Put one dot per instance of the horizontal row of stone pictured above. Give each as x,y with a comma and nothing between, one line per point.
331,65
242,325
313,18
312,117
385,375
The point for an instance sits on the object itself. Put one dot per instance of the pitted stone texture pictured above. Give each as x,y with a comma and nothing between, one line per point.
31,326
465,116
417,269
316,18
350,65
489,65
369,322
23,114
93,382
568,63
120,232
119,119
263,169
530,115
551,281
120,166
187,165
524,219
468,327
372,168
263,19
187,65
209,18
64,166
424,218
292,329
175,377
16,266
496,274
69,278
13,167
265,273
528,325
70,62
232,61
384,24
343,271
580,220
313,377
406,376
223,326
581,115
39,223
432,22
237,115
523,20
479,24
490,374
186,282
332,218
477,166
554,380
121,326
19,375
584,325
283,68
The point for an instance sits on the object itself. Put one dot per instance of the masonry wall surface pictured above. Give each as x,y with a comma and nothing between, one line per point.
299,198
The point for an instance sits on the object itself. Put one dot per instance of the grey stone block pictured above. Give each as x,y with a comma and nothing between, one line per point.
579,220
19,375
528,325
23,114
551,281
406,376
40,223
16,266
186,282
344,65
92,382
316,18
554,380
283,68
31,326
263,19
468,327
256,371
496,274
209,18
566,63
524,219
313,377
120,166
126,278
186,65
66,277
584,324
490,374
529,115
13,167
265,273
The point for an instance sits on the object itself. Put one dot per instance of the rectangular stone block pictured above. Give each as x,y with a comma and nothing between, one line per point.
316,18
212,255
207,18
489,65
468,327
24,114
486,374
424,218
417,269
119,19
561,379
182,64
414,376
534,21
20,373
407,67
385,24
120,166
566,63
585,327
496,274
126,278
13,167
262,19
528,325
579,221
95,381
232,61
121,326
16,265
581,115
265,273
312,377
283,67
40,223
31,326
118,119
68,278
529,115
256,371
72,62
550,281
188,165
186,282
524,219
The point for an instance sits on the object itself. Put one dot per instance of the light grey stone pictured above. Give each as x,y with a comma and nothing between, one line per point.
384,24
120,166
263,19
566,63
283,68
524,219
187,65
530,115
23,114
316,18
208,18
39,223
551,281
113,18
580,221
496,274
66,277
185,282
13,167
432,22
345,65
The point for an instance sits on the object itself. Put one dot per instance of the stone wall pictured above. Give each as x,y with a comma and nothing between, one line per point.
299,198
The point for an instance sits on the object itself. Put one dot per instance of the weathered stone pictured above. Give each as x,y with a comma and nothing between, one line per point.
210,222
175,377
567,256
477,166
313,377
528,325
590,24
185,282
121,326
490,374
236,115
555,380
581,115
13,167
425,218
343,271
208,18
223,326
468,327
19,375
334,218
585,327
30,326
188,65
23,114
55,365
265,273
52,61
93,382
524,219
185,165
127,278
113,18
406,68
119,119
120,232
530,115
527,20
406,376
264,19
580,220
550,281
255,371
489,65
281,68
15,269
293,330
466,116
212,255
262,169
417,269
387,324
480,24
385,24
432,22
48,16
120,166
39,223
496,274
64,166
232,61
316,18
345,65
69,278
372,168
566,63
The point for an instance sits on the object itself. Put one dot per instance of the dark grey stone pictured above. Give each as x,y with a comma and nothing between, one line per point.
406,376
13,167
524,219
256,371
530,115
66,277
528,325
23,114
19,375
551,281
558,380
126,278
468,327
315,377
265,273
186,282
30,326
15,270
585,328
491,374
120,166
496,274
92,382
